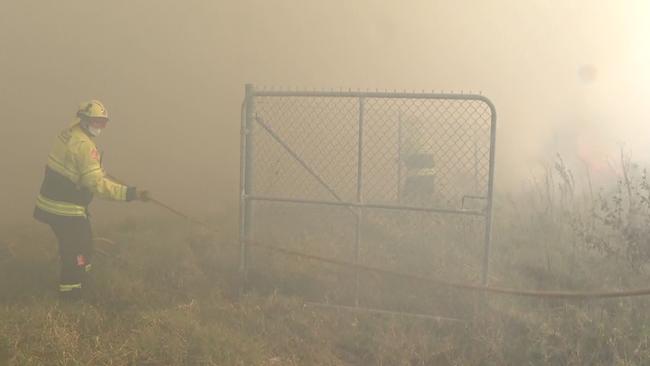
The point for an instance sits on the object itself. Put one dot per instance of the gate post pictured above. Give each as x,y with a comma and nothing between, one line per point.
246,157
488,209
359,215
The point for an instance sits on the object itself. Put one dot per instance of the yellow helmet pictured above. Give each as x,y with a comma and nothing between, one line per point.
93,108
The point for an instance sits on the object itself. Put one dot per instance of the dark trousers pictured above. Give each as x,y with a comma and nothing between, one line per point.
75,250
419,190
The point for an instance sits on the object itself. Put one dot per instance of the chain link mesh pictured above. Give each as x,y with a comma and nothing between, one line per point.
418,152
321,131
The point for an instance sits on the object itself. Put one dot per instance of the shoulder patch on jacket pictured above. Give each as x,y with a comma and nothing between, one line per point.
65,136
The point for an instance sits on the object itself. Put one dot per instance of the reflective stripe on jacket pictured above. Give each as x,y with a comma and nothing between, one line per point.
59,208
74,174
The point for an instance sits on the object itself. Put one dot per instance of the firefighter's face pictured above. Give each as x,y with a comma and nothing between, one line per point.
98,122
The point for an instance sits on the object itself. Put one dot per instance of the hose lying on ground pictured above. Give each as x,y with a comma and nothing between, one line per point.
457,285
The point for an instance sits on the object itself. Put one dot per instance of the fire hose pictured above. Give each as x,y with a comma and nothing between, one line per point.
551,294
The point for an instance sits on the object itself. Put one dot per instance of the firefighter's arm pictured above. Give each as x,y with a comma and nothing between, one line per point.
94,178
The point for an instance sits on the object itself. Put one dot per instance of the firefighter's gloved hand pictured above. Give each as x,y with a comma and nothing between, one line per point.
143,195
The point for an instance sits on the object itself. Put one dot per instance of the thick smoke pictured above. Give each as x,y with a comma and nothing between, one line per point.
567,77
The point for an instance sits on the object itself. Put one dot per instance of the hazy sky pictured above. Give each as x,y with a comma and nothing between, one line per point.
172,75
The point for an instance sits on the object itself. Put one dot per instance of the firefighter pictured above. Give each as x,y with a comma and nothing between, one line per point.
419,186
74,174
418,160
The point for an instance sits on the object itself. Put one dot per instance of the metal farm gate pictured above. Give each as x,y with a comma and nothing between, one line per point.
401,181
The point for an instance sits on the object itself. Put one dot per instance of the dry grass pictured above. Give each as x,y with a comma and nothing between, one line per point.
168,294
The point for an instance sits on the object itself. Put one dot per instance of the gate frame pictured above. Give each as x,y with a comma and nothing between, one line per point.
246,154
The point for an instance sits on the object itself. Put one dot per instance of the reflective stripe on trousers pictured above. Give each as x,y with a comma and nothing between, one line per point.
68,288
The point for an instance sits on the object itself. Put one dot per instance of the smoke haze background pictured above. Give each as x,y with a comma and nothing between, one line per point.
565,76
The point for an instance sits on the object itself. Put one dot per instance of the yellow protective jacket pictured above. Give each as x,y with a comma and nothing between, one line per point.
73,175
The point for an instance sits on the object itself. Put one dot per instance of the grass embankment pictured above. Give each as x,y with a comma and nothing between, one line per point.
168,295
